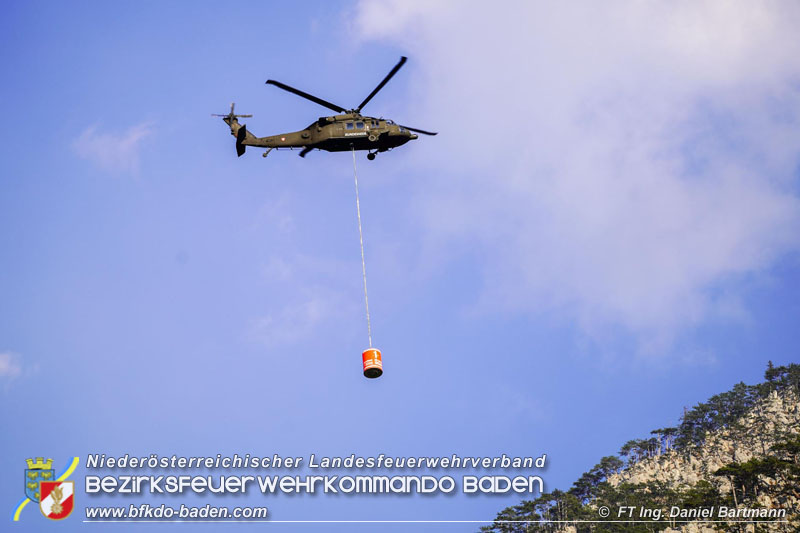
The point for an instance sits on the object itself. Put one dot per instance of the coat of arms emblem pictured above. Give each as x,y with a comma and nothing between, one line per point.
57,501
37,471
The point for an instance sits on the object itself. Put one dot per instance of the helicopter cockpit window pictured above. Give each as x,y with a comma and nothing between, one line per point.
360,125
375,124
348,125
390,122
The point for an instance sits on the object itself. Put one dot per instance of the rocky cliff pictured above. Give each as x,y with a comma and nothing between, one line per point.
750,440
732,464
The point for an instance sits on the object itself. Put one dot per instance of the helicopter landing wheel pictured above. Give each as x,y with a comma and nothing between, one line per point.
370,156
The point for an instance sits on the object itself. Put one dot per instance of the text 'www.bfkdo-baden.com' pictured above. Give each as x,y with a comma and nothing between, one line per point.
146,512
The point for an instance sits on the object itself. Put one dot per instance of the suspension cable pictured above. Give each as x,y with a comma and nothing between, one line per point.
361,240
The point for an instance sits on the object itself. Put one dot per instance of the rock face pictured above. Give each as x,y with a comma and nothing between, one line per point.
751,437
731,464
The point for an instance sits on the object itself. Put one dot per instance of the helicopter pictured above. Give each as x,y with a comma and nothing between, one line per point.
349,130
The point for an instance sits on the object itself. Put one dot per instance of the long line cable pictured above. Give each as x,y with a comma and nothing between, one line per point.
361,240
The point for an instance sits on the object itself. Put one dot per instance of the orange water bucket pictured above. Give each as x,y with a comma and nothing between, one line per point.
373,365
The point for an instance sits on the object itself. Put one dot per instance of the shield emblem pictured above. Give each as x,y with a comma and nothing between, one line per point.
33,476
57,499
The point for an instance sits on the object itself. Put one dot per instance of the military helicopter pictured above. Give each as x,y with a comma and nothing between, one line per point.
346,131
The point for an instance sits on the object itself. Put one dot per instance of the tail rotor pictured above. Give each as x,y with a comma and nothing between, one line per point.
230,117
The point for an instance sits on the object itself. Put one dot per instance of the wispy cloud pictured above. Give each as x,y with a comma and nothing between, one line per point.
10,366
293,322
113,152
309,296
627,166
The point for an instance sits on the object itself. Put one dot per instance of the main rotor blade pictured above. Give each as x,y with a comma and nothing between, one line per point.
307,96
384,82
421,131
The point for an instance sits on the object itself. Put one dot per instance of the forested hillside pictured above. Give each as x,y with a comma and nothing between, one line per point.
738,450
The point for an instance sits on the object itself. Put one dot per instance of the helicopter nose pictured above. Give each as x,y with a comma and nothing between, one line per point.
414,136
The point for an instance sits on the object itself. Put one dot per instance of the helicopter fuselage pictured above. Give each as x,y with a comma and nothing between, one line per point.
334,134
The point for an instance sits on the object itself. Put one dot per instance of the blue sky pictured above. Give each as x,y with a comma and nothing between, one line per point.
604,232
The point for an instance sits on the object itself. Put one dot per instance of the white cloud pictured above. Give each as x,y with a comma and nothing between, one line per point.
625,165
308,297
10,366
293,322
113,152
